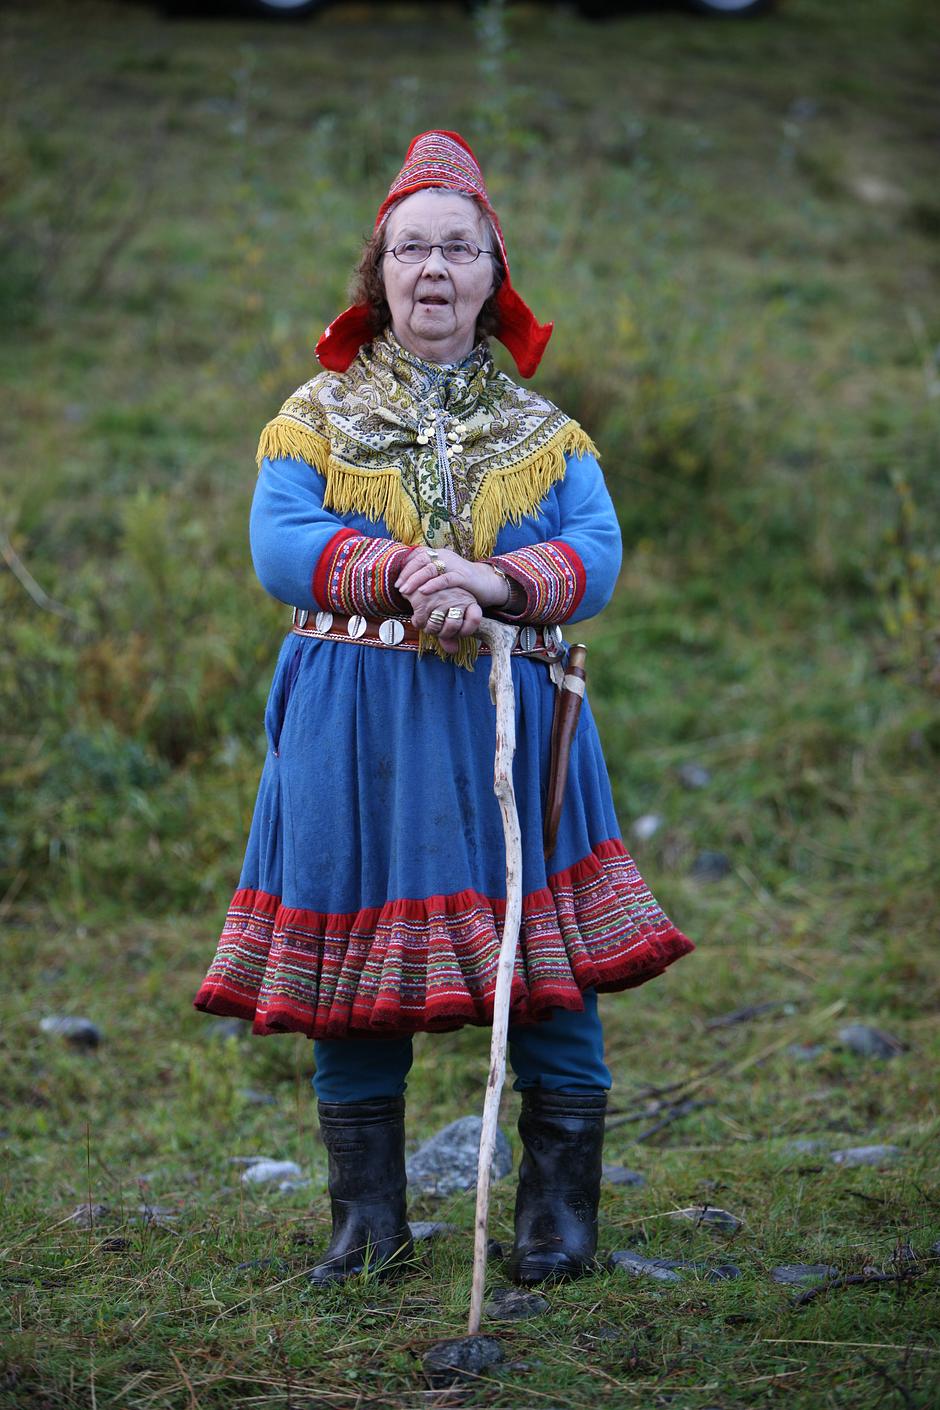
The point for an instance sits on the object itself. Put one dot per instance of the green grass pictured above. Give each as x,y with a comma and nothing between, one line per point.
735,229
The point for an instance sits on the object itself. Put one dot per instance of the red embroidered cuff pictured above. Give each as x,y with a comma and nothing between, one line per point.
552,576
357,574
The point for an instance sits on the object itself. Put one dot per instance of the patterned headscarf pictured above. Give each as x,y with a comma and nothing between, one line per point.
443,160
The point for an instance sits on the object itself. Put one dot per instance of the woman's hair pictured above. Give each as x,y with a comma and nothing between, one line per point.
369,287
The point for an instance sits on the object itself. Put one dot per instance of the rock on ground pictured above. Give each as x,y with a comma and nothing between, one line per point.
800,1273
866,1155
870,1042
447,1162
514,1305
447,1363
647,826
670,1270
710,1216
620,1175
87,1215
424,1230
267,1172
80,1032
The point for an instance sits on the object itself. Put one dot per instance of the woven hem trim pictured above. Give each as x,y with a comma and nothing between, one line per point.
429,965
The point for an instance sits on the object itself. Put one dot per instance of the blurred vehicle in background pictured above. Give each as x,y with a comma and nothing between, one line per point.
294,9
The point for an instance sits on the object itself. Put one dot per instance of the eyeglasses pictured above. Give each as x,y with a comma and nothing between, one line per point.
454,251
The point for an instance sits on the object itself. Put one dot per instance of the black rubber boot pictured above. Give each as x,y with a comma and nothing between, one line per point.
559,1185
366,1146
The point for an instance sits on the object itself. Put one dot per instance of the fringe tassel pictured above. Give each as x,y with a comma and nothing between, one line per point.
377,494
466,654
286,437
507,495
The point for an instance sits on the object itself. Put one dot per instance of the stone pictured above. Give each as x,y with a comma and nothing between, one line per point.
86,1216
799,1273
80,1032
251,1097
647,826
514,1305
805,1052
447,1363
694,776
115,1245
710,1216
156,1213
285,1186
870,1042
228,1028
426,1230
802,1145
670,1270
710,866
270,1172
447,1162
620,1175
865,1155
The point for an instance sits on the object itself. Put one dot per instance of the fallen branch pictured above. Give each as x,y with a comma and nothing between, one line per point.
853,1279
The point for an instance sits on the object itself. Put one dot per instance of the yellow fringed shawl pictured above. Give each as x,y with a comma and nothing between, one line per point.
444,457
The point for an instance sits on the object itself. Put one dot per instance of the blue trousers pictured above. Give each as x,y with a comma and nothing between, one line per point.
564,1053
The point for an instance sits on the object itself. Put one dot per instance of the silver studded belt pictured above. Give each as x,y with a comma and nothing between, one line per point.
400,634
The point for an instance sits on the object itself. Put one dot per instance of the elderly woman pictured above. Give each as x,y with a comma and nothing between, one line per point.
405,492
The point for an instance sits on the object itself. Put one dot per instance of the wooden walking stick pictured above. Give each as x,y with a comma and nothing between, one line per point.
500,639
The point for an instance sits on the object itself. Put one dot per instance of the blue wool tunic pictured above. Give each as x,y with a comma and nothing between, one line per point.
372,894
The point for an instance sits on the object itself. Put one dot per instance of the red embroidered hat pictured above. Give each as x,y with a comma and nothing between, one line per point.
442,159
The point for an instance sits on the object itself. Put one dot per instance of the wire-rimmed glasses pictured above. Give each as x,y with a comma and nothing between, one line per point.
454,251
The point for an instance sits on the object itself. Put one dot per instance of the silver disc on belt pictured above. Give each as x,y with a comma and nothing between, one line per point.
356,626
300,618
323,621
553,639
391,632
528,639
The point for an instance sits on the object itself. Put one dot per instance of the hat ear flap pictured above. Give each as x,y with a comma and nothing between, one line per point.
519,329
344,337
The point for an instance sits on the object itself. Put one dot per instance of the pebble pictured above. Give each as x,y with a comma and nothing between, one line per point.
710,866
156,1213
87,1215
803,1145
620,1175
806,1052
447,1363
710,1215
865,1155
251,1097
670,1270
80,1032
447,1162
870,1042
269,1172
799,1273
228,1028
514,1305
647,826
424,1230
694,776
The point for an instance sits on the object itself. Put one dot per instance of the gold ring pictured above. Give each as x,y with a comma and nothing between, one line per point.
455,612
437,616
436,563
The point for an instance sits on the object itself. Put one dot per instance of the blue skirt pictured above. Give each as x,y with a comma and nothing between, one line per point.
373,891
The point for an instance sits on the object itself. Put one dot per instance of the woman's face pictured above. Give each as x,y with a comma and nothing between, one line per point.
434,305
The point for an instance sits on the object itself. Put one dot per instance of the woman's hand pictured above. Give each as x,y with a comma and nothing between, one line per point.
448,614
421,580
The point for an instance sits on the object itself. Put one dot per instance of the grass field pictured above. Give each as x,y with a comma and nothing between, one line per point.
735,228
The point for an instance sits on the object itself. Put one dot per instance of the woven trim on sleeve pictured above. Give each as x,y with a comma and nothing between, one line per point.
552,576
357,574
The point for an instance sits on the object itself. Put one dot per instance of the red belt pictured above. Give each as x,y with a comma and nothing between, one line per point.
400,633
